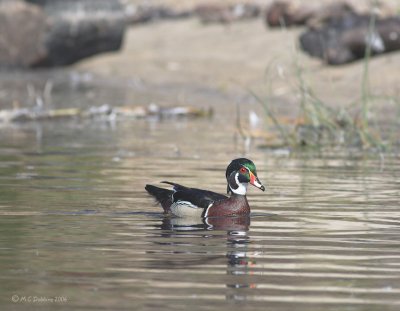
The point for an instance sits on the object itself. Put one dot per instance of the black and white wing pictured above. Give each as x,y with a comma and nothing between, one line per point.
197,199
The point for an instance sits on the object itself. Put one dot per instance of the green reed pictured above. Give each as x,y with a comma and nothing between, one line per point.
317,114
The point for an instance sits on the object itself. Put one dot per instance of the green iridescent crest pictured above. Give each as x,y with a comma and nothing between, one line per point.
236,164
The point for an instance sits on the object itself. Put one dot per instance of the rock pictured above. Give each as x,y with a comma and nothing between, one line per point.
330,12
214,13
81,28
44,33
287,14
22,34
139,14
346,39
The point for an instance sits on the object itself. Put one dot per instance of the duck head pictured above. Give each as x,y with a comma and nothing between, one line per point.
239,173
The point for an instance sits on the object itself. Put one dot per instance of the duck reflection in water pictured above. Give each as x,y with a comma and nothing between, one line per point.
233,231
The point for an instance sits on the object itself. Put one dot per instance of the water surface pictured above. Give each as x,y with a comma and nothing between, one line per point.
78,231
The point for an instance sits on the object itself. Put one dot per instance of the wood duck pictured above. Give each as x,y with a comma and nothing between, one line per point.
182,201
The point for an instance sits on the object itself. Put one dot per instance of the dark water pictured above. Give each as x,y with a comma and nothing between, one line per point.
78,231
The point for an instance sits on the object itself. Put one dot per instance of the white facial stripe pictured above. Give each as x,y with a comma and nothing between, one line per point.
237,178
242,189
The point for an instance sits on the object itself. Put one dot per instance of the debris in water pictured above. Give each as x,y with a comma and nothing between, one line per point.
111,113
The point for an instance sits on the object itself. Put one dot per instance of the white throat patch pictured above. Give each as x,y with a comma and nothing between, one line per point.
242,189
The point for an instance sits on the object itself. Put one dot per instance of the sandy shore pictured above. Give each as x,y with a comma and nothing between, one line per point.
237,57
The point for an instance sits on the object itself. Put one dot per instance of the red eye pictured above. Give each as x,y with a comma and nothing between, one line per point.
243,170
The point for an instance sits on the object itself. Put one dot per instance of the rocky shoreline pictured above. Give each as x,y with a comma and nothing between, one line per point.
40,33
49,33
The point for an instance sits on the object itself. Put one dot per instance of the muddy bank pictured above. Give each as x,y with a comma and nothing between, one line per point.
237,57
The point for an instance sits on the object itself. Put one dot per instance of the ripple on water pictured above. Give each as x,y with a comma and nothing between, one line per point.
77,223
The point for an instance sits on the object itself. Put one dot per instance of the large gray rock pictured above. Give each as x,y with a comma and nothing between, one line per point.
347,39
23,29
40,33
282,13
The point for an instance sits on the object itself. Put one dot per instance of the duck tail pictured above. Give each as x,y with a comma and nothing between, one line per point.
162,196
